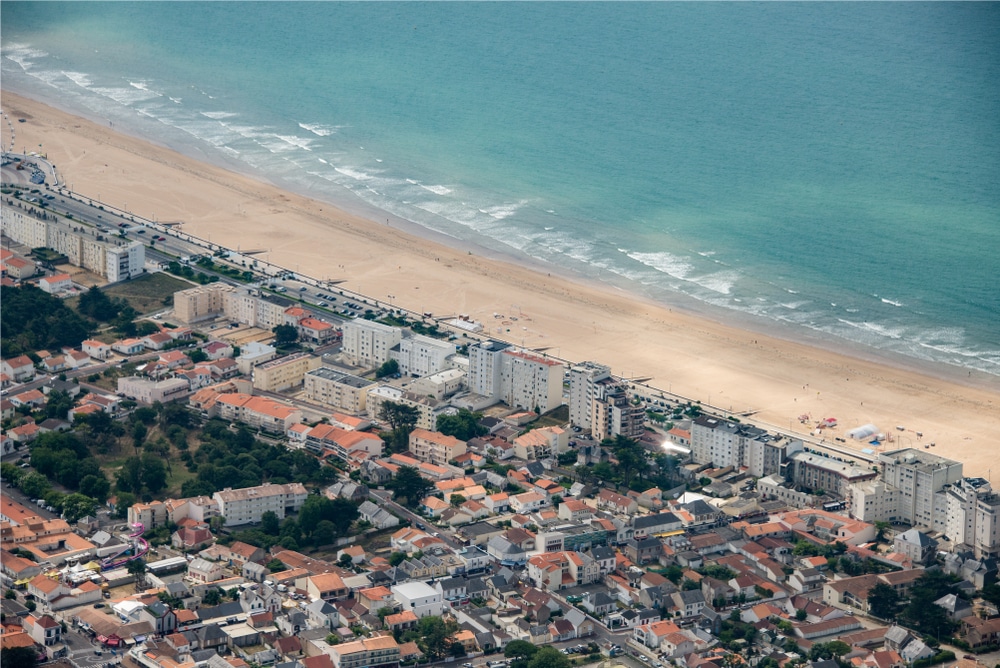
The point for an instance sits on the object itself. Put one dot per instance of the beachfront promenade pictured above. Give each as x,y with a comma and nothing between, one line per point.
270,270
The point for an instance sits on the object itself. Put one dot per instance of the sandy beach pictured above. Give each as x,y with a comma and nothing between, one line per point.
685,354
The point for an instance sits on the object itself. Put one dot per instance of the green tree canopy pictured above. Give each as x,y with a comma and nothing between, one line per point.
436,636
883,601
409,486
269,523
285,334
401,420
97,305
463,425
34,320
519,649
388,368
549,657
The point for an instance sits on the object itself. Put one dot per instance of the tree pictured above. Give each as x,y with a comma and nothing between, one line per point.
388,368
883,601
801,614
137,569
197,355
519,649
212,597
631,456
463,425
324,533
384,612
396,558
549,657
881,527
77,505
285,334
35,485
154,473
19,657
269,523
435,636
921,613
409,486
457,500
401,420
58,405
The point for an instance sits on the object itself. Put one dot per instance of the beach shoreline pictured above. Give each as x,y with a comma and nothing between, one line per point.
727,361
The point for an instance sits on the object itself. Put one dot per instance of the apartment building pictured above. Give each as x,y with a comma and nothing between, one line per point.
541,443
108,256
613,414
764,453
819,472
552,571
715,441
872,501
971,519
367,343
419,355
201,303
284,372
150,391
583,380
376,652
245,506
337,389
531,381
344,443
435,447
258,412
428,409
919,476
485,363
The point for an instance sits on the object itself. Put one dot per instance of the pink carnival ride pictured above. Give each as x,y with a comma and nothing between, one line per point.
136,549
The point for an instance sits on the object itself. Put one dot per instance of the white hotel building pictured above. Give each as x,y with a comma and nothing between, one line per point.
247,505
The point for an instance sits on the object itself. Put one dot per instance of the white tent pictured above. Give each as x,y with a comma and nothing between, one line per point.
863,432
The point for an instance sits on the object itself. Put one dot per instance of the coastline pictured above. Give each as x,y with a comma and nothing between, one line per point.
733,364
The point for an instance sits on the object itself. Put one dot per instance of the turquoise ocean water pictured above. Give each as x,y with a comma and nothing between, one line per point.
831,170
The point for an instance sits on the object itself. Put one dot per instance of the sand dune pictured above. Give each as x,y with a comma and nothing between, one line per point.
694,356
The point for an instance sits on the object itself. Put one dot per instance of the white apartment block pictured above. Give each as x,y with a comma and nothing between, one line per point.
716,441
367,343
439,385
872,501
150,391
818,472
245,506
124,262
338,389
485,363
919,476
530,381
583,379
972,515
419,355
764,454
98,252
